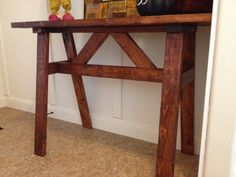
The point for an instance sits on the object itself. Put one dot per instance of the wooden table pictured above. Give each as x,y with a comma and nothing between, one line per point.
177,75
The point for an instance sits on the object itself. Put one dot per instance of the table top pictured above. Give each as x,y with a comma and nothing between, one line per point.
203,19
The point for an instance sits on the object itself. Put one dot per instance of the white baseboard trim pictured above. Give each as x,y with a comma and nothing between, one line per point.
21,104
106,123
119,126
2,102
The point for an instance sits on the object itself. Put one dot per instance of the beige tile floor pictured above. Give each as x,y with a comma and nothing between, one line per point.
77,152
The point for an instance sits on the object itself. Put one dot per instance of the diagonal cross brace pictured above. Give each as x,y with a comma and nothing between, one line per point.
129,46
135,53
90,48
77,81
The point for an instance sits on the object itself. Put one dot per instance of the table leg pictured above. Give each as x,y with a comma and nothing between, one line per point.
187,119
41,94
187,96
170,105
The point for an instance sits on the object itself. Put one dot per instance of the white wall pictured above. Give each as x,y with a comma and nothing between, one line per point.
1,83
220,158
2,99
126,107
1,88
233,156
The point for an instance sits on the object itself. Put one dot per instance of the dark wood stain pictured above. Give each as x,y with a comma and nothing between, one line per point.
90,48
41,94
118,72
170,104
187,119
139,58
187,96
187,19
77,81
179,59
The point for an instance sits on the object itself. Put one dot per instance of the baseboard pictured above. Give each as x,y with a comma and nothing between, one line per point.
2,102
119,126
21,104
101,122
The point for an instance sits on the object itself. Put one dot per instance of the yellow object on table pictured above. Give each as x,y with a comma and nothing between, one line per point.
54,8
110,9
55,5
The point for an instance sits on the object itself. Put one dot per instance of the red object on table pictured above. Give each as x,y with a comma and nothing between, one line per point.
177,75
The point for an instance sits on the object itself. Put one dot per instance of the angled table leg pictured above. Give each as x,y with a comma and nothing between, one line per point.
41,94
170,105
187,95
78,82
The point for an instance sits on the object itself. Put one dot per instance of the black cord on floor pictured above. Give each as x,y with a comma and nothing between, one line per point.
50,113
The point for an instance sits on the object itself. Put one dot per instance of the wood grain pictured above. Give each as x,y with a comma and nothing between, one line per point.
179,59
193,19
187,96
170,105
135,53
118,72
77,81
41,94
117,29
187,119
189,53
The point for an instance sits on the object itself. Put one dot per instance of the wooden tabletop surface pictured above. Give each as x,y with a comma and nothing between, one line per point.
186,19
